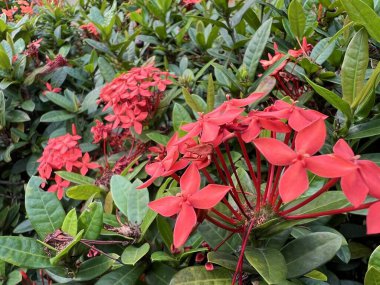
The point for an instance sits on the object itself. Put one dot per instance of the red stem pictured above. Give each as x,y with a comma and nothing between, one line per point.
331,212
175,177
325,187
251,171
220,225
223,217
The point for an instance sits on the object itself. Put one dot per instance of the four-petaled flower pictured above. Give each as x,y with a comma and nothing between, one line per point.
185,203
86,164
59,186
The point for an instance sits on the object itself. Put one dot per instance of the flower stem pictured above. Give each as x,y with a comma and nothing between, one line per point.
331,212
223,217
220,225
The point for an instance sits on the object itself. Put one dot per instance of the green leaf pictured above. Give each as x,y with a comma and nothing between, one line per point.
368,129
160,274
63,252
70,224
56,116
17,116
269,263
160,256
44,210
354,66
327,201
210,94
297,19
198,275
123,275
23,252
316,275
362,14
94,267
372,277
131,255
158,138
332,98
106,69
84,192
256,47
237,17
75,178
306,253
374,260
91,220
131,202
180,116
98,46
165,230
61,101
195,102
227,261
322,50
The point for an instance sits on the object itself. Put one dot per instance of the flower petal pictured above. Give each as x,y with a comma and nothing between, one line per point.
329,166
209,196
370,171
166,206
354,187
190,180
342,149
185,223
294,182
311,138
373,219
274,151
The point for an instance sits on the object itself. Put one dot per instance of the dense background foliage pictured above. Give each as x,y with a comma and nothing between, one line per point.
55,58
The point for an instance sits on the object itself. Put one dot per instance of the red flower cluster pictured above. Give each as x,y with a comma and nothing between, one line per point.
90,28
294,136
134,96
63,153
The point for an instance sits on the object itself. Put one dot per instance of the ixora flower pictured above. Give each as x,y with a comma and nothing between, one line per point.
185,203
286,141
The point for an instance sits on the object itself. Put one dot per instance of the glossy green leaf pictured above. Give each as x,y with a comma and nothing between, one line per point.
306,253
374,260
158,138
322,50
133,203
70,223
84,192
160,274
122,276
297,19
269,263
368,129
227,261
131,255
354,66
23,252
255,47
94,267
75,178
106,69
180,116
332,98
372,277
362,14
56,116
61,101
198,275
195,102
44,210
210,93
316,275
91,220
160,256
63,252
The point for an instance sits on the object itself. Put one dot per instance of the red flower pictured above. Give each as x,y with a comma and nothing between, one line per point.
91,28
364,178
59,187
101,131
304,50
308,141
273,59
185,202
50,88
373,219
85,164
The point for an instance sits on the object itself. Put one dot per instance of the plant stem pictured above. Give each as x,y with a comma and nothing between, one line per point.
220,225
